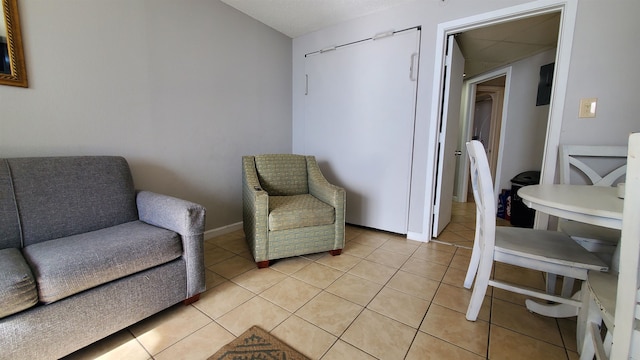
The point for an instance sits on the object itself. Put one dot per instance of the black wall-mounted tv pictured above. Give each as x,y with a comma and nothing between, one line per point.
545,84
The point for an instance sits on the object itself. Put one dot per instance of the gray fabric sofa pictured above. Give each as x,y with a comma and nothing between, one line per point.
84,255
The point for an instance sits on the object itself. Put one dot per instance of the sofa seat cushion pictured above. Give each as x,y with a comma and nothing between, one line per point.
66,266
17,285
296,211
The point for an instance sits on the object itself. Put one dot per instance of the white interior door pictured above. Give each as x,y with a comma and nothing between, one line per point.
359,123
470,89
449,125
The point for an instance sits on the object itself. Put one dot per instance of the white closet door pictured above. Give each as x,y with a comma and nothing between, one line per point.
359,123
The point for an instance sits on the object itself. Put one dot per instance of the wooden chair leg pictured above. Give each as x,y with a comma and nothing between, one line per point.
335,252
263,264
191,300
480,288
473,265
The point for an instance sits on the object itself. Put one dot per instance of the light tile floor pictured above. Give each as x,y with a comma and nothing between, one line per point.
385,297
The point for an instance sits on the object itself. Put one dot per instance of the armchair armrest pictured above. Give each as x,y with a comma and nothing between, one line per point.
255,209
330,194
321,188
185,218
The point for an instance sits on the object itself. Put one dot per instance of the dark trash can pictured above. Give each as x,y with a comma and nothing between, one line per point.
521,215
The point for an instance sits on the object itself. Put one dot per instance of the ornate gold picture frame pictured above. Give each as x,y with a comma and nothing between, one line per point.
13,70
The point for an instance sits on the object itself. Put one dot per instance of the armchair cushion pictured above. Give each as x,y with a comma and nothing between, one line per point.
66,266
290,212
282,174
17,286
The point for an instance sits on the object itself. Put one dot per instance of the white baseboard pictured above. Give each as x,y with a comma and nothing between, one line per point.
209,234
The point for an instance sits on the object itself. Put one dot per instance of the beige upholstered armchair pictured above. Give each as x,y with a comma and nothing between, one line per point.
289,208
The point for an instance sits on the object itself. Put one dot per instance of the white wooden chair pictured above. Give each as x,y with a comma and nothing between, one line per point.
599,240
594,238
613,298
546,251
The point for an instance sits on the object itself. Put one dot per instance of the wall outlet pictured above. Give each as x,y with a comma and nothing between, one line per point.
588,108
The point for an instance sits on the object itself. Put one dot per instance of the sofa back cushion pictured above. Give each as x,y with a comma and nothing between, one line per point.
9,225
63,196
282,174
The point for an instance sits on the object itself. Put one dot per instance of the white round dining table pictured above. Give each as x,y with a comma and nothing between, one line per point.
597,205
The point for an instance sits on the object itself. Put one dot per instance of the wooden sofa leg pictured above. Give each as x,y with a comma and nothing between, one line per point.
192,299
335,252
263,264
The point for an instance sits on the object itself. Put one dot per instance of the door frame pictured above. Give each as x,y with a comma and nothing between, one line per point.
568,11
496,93
470,90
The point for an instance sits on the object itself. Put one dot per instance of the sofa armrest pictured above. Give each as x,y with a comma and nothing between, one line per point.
185,218
255,210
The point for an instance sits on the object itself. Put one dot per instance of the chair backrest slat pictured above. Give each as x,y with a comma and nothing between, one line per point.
570,155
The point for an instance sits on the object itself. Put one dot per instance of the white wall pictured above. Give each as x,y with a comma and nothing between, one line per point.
604,32
604,64
526,126
182,89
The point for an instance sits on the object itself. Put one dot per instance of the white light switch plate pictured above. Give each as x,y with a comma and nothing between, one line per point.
588,108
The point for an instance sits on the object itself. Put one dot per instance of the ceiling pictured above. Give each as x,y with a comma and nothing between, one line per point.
494,46
484,48
298,17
